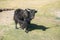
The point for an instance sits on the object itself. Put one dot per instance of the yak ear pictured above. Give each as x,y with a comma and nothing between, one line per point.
35,11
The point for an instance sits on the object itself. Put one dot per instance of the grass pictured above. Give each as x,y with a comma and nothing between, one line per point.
51,33
44,19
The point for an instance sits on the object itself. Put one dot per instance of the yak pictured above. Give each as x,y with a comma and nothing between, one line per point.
24,17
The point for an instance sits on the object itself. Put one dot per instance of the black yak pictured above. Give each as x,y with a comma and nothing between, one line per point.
23,17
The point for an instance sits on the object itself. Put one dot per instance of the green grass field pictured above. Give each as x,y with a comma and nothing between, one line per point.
45,18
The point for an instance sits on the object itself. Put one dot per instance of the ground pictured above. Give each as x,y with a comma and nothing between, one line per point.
45,25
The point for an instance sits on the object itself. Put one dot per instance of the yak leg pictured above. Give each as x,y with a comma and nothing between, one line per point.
16,25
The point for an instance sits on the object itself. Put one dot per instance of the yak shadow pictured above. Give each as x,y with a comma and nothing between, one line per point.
38,27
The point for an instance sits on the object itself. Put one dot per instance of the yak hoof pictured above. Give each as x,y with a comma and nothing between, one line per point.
26,31
17,28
